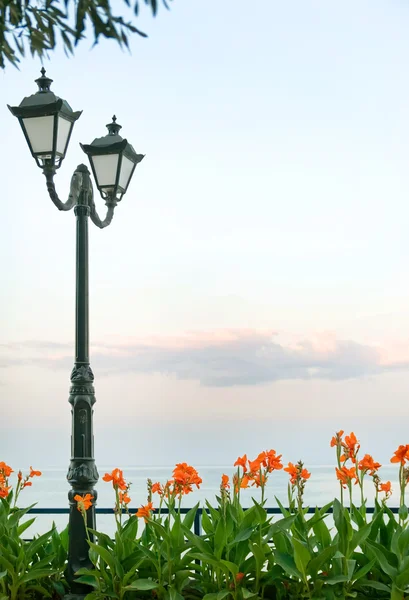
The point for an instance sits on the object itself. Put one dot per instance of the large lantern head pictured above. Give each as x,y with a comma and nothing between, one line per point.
113,161
47,122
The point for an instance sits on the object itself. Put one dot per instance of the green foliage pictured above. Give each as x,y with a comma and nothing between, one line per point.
39,23
241,555
29,569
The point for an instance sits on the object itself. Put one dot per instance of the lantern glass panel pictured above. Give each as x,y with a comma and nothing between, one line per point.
126,172
40,133
64,128
105,166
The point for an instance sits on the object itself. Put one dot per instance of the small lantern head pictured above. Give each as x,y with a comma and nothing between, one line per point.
47,122
113,162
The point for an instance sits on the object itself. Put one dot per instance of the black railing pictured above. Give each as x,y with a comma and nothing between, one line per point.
196,525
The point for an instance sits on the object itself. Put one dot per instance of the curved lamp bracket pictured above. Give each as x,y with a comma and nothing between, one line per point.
81,192
75,189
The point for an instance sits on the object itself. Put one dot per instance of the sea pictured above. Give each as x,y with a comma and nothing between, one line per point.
51,490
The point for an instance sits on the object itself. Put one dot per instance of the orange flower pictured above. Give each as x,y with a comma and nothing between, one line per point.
83,502
241,462
184,477
244,482
240,577
117,478
346,475
259,481
401,454
19,475
368,464
351,447
272,461
5,469
27,484
34,473
385,487
305,474
145,511
4,491
157,489
225,482
336,440
254,465
292,471
262,458
124,498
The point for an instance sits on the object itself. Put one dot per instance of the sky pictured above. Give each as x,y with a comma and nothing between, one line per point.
252,290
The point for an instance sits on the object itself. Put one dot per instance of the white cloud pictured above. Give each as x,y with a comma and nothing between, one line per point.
221,359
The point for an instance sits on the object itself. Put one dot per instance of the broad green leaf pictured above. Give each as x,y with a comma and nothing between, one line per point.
336,579
143,585
403,512
15,517
287,563
172,594
302,556
376,585
382,560
317,562
403,542
321,531
402,579
207,524
233,568
88,580
190,517
21,528
244,534
359,537
36,574
351,564
364,570
285,512
105,555
220,538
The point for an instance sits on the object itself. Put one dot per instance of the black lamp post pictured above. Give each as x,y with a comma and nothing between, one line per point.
47,123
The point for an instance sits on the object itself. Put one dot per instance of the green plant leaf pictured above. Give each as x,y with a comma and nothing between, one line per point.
287,563
334,579
301,556
359,537
89,580
317,562
105,555
403,541
21,528
36,574
379,553
190,517
207,524
143,585
376,585
242,535
364,570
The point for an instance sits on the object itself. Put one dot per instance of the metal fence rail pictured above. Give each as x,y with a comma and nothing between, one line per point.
197,524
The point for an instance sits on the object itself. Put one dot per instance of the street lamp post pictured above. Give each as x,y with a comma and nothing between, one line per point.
47,122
